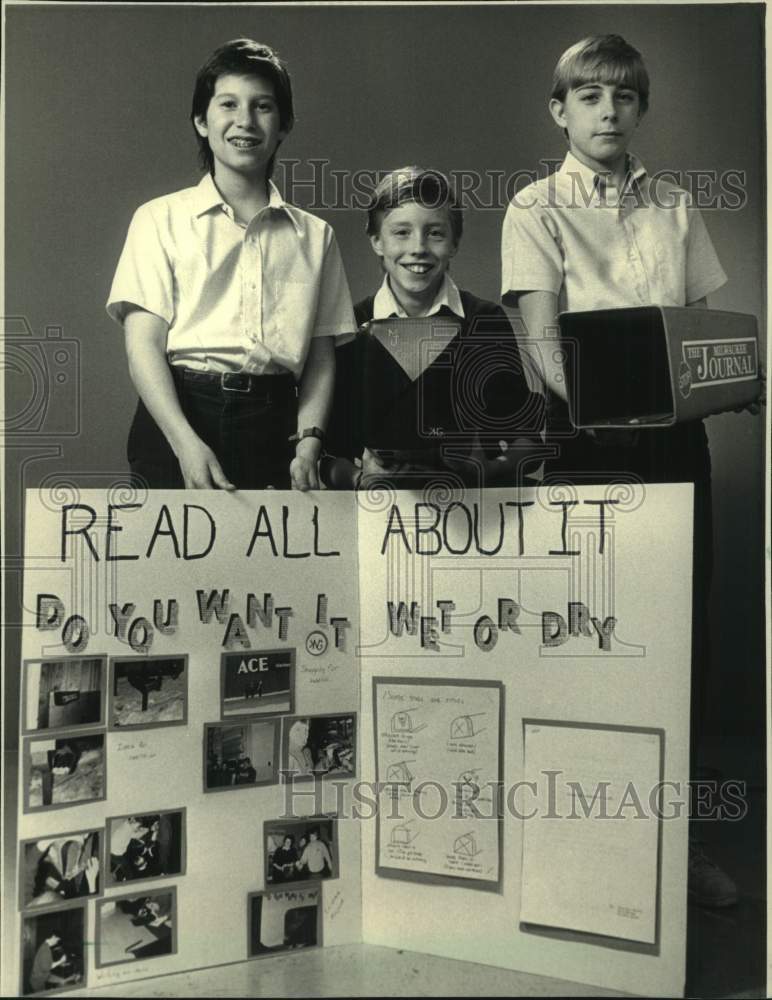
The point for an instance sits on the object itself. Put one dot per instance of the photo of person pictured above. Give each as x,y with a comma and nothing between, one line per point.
148,691
257,682
296,850
240,756
319,745
284,920
60,868
63,693
64,771
52,951
136,927
146,847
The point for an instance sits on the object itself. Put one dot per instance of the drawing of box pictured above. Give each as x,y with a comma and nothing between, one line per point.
462,728
402,835
400,723
466,845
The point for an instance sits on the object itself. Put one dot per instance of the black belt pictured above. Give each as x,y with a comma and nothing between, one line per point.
241,382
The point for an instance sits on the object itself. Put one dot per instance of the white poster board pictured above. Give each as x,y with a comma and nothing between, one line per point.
236,618
580,609
217,688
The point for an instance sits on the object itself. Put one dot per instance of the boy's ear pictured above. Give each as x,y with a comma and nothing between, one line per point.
375,243
557,109
200,123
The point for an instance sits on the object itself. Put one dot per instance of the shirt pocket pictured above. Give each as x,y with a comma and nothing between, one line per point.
670,284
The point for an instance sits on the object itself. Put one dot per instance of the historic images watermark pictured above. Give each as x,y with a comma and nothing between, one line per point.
316,185
555,797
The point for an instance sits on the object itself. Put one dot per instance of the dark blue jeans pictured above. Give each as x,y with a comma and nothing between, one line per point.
247,431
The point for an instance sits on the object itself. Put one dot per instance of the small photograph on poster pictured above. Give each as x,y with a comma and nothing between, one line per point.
240,754
317,746
299,849
146,846
64,772
63,693
56,869
132,928
52,951
257,682
148,691
284,920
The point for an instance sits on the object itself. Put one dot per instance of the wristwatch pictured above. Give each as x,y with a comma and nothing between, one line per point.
308,432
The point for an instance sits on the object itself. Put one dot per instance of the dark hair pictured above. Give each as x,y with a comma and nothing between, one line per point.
242,57
429,188
605,59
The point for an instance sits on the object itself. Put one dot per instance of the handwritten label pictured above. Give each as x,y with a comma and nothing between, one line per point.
333,908
136,751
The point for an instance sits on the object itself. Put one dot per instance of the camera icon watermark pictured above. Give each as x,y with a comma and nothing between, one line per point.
43,394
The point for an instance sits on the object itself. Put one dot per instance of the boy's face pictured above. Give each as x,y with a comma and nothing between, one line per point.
600,119
415,244
242,125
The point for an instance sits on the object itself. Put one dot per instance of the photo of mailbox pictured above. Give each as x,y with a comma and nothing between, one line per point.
148,691
63,693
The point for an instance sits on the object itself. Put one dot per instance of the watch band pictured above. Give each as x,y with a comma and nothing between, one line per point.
308,432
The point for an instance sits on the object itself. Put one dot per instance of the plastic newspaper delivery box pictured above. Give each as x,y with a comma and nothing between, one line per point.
657,365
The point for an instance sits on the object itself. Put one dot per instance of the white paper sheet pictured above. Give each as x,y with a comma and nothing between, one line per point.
590,851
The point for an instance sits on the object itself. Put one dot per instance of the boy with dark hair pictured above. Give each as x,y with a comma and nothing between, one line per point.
231,299
601,233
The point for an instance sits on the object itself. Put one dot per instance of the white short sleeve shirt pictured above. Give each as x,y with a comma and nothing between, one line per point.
236,298
597,248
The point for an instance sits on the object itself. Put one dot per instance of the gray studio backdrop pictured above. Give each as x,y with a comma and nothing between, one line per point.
97,102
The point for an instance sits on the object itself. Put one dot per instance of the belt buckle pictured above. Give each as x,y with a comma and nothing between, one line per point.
235,381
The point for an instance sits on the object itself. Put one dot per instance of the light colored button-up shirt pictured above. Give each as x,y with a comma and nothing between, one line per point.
235,297
574,234
448,296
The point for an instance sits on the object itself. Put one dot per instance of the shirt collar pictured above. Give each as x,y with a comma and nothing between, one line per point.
447,297
206,197
594,181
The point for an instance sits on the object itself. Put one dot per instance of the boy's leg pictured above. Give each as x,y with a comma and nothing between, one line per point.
254,445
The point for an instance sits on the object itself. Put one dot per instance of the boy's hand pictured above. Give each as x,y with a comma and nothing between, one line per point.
304,467
200,468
